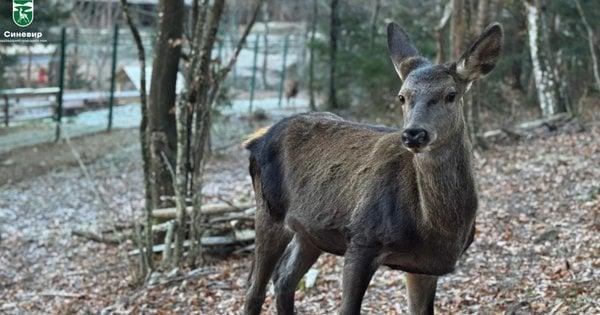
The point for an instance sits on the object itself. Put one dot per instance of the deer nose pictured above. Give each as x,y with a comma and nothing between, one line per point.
415,138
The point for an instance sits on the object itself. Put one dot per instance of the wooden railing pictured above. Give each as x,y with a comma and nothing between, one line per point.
28,104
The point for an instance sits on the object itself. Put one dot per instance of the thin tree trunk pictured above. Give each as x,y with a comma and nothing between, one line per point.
542,70
266,45
204,89
482,14
457,32
180,182
311,66
333,38
457,28
479,87
374,19
143,134
161,101
200,85
591,41
29,61
440,32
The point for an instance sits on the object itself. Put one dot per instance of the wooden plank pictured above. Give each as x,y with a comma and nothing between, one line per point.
32,105
29,91
31,117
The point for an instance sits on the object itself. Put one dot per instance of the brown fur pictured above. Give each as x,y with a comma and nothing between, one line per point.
253,137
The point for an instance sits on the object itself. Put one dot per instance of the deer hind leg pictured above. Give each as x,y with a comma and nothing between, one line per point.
271,240
299,255
421,293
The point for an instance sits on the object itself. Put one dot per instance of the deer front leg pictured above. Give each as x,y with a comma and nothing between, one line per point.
359,267
421,293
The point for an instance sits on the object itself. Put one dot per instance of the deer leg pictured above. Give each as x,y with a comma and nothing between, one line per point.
271,240
359,267
299,255
421,293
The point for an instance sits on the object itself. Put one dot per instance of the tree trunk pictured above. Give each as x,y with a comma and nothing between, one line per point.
147,259
543,72
457,28
204,87
311,66
591,41
180,182
266,45
161,102
202,80
374,19
440,32
479,87
333,37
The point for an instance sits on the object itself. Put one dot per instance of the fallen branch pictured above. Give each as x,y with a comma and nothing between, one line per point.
247,215
113,240
190,275
210,209
238,217
239,237
515,132
62,294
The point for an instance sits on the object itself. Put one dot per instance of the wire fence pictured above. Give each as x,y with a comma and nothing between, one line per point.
83,70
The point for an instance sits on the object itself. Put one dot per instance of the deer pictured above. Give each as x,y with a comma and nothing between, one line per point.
404,198
22,15
291,90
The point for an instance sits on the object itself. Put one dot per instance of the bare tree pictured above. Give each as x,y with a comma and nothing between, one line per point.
457,28
147,257
374,19
311,65
591,41
333,40
194,118
543,70
162,134
482,14
265,17
440,31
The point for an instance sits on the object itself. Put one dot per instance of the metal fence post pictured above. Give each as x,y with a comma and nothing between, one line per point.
253,80
286,44
6,110
61,82
113,70
220,54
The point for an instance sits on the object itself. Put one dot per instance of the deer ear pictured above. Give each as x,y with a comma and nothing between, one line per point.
403,53
482,55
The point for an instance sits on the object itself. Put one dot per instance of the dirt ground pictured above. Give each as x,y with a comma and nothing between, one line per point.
537,249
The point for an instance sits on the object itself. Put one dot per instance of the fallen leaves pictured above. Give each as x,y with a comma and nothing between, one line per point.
537,247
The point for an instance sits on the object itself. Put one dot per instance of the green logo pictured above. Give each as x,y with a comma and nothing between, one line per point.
22,12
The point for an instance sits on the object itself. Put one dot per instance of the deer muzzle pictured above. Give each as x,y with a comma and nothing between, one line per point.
415,138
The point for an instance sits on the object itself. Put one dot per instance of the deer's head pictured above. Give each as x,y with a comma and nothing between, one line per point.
431,94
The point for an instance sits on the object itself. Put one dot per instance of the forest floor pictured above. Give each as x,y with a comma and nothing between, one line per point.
537,247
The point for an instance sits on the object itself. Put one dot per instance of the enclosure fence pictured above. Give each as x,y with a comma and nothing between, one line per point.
82,70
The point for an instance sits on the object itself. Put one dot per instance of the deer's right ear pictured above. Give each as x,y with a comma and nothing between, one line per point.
403,53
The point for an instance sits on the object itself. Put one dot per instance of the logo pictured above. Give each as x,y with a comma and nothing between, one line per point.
22,12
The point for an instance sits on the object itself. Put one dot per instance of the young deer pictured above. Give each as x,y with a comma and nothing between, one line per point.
378,196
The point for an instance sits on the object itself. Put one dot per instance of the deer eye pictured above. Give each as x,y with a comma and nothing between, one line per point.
401,99
450,97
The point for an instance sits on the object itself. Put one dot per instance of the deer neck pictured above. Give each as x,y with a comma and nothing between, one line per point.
447,196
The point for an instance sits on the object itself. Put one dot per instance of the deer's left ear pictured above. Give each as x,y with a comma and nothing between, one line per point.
403,53
482,55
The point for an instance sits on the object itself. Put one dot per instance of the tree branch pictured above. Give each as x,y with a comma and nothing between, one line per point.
223,73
